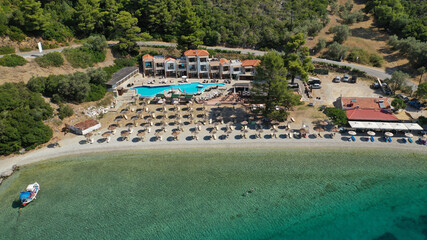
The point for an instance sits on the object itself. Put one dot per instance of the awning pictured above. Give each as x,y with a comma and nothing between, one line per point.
188,96
160,95
399,126
384,126
371,125
413,126
357,125
175,96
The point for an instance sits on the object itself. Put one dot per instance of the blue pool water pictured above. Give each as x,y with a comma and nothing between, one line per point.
190,88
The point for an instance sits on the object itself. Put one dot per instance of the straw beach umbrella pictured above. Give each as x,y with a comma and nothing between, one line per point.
409,135
352,133
106,134
274,132
371,133
195,133
244,131
125,135
175,135
260,131
213,132
388,134
141,135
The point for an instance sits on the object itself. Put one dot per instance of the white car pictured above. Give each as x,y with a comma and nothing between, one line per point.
316,86
345,78
337,79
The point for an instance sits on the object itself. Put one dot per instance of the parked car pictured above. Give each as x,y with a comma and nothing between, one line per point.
316,86
337,79
415,104
314,81
345,78
403,97
353,79
375,85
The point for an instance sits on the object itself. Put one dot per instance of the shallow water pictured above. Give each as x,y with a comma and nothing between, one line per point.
200,194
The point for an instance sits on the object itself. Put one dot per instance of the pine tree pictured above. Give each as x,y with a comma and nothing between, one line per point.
189,28
30,16
128,32
296,57
88,16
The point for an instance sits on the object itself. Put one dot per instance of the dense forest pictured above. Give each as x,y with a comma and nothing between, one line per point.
247,23
405,18
21,115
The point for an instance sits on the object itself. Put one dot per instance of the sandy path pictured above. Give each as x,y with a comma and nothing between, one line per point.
74,145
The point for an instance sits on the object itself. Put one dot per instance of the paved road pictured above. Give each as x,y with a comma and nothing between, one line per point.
369,70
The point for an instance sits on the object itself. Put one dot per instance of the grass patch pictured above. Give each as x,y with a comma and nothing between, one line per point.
12,60
83,57
53,59
6,50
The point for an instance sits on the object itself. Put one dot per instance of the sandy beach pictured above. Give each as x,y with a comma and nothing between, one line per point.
74,145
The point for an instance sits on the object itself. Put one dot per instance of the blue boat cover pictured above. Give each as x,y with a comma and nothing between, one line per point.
24,195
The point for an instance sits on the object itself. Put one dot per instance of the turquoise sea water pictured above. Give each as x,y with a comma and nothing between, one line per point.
190,88
199,194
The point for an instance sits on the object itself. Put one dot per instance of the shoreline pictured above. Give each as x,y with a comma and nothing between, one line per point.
73,146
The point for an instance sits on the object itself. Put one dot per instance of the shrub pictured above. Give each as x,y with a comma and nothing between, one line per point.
56,98
341,33
320,45
97,92
37,84
78,58
338,116
6,50
50,45
376,60
51,59
25,49
12,60
65,111
359,55
398,103
125,62
336,51
422,90
16,34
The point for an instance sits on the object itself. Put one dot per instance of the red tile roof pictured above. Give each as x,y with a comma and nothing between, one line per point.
196,53
86,124
224,61
362,102
147,56
252,63
370,114
170,58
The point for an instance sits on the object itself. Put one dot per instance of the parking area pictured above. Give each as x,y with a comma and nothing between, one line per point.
330,91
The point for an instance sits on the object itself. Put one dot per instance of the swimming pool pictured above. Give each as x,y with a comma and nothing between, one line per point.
190,88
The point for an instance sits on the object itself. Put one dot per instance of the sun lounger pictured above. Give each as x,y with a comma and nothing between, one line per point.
353,138
404,140
372,139
410,140
389,139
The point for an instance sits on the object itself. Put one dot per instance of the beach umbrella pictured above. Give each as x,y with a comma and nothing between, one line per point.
129,124
335,129
195,133
352,133
388,134
244,131
233,117
274,132
409,134
319,129
324,123
303,131
175,135
106,134
125,135
275,122
124,110
134,118
158,135
371,133
260,131
112,127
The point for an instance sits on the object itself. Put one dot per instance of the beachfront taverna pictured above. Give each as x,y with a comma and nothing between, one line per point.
197,64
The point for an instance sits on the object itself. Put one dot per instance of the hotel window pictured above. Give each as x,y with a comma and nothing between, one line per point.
171,66
226,69
203,68
148,65
193,68
248,70
192,59
203,59
181,66
159,64
236,69
214,68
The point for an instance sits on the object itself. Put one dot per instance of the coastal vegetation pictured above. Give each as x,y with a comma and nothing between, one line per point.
53,59
6,50
270,87
247,23
337,115
21,119
422,91
12,60
65,111
92,51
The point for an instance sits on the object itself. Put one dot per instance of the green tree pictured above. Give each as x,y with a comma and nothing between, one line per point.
338,116
342,32
398,103
422,90
128,32
296,58
29,16
321,44
421,72
97,76
270,86
96,43
189,27
65,111
397,80
87,16
336,51
74,87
